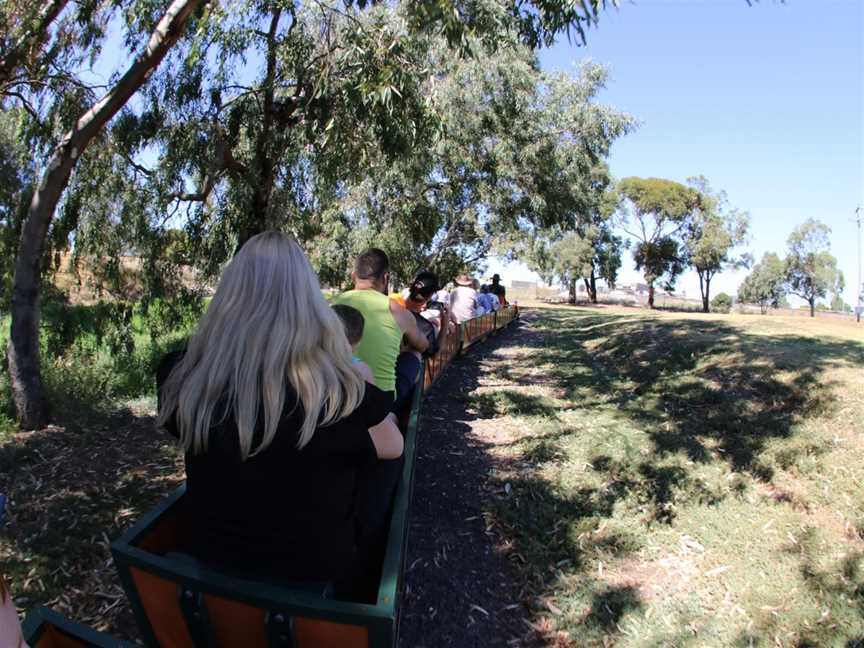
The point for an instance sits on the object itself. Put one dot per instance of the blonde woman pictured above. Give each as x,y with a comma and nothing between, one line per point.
275,419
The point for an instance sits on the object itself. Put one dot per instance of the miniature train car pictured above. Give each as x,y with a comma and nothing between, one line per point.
44,628
182,604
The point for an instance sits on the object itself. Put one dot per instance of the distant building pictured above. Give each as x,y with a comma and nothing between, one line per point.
634,289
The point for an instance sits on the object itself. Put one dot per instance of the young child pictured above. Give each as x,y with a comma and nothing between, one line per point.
352,320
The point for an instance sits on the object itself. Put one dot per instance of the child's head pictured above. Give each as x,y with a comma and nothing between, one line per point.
353,321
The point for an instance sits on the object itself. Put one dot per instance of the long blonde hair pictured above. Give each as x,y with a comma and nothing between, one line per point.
267,323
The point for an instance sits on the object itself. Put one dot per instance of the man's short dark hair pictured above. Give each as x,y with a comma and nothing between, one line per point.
372,264
353,321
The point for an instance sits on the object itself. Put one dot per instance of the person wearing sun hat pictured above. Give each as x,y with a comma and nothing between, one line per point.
463,299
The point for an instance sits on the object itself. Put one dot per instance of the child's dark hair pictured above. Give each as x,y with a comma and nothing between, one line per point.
353,321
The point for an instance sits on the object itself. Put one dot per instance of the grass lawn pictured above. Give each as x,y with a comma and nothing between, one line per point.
682,479
660,479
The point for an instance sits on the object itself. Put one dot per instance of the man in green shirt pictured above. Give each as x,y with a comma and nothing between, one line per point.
390,329
390,333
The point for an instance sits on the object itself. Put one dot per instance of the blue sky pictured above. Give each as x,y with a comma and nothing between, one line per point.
766,101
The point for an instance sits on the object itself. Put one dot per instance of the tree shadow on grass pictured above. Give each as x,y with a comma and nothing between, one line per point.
704,393
477,572
609,606
754,389
507,402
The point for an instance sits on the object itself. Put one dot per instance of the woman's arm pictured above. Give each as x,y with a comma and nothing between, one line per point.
387,438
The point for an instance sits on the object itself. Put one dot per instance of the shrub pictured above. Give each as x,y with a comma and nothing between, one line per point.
97,357
7,408
722,303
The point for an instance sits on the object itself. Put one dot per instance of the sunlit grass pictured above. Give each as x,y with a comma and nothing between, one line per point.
687,479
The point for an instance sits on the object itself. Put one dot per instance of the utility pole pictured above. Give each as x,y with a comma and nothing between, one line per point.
859,287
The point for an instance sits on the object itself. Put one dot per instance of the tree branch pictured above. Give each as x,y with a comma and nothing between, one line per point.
24,103
201,195
16,54
141,169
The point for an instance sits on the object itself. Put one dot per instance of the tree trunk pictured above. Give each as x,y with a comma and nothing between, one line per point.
591,287
651,295
263,176
703,290
572,291
812,301
23,350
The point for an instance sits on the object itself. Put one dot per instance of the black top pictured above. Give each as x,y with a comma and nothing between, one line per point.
283,513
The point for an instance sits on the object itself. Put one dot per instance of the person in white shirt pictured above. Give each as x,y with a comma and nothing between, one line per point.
463,300
443,295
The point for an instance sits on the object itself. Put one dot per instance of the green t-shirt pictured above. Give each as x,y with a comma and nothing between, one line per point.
382,336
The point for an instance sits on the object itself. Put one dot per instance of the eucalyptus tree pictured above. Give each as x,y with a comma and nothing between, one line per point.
589,255
519,152
656,212
243,150
765,285
23,349
711,235
811,269
283,101
36,39
42,47
569,235
442,206
16,179
584,248
277,108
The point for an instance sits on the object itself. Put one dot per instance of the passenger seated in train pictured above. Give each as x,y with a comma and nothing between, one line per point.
498,290
443,295
352,320
487,301
463,300
419,298
390,327
275,422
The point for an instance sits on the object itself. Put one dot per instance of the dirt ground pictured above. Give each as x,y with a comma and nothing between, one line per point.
461,586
